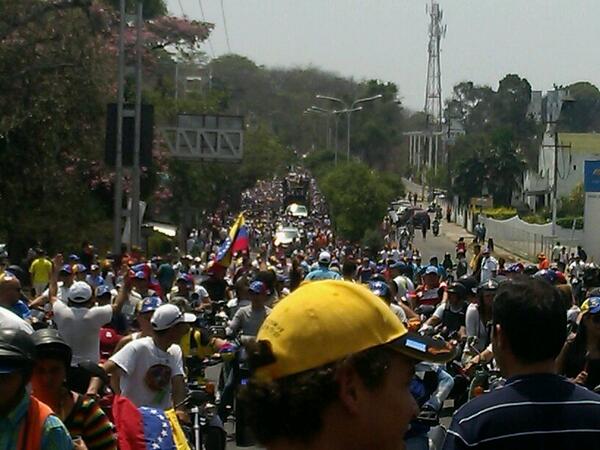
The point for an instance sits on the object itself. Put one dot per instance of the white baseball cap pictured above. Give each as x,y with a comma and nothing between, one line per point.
167,316
80,292
325,257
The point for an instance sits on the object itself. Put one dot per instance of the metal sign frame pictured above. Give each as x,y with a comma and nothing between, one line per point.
206,137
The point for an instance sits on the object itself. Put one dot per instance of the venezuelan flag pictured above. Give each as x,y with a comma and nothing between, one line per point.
146,428
226,250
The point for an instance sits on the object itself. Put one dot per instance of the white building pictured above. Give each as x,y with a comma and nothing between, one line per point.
573,150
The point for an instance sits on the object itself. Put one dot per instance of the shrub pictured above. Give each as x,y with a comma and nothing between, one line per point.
567,222
501,213
535,218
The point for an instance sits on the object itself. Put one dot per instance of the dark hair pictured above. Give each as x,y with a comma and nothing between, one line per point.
533,317
349,268
291,408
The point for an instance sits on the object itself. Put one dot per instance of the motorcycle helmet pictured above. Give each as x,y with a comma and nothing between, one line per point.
49,343
546,274
469,282
515,268
17,351
488,286
530,269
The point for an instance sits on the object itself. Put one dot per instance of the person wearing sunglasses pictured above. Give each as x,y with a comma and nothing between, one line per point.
580,357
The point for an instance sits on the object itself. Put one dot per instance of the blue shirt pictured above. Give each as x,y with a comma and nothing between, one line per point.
54,434
21,310
542,411
323,273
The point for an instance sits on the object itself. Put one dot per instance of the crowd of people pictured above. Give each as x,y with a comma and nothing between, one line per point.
351,347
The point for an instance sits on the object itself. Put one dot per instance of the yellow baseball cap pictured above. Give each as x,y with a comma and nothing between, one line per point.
325,321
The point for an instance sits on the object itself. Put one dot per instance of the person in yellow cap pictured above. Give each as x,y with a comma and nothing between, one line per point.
332,366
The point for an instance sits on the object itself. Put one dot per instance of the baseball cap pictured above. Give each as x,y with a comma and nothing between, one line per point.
80,292
140,275
79,268
591,305
457,288
73,257
258,287
431,269
185,277
149,304
304,330
167,316
325,257
103,289
66,268
379,288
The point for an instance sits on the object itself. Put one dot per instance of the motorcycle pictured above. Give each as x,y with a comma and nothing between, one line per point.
435,227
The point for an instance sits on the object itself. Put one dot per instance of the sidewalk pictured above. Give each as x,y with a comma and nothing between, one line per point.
453,231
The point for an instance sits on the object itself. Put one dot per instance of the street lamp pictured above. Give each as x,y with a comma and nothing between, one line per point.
348,110
328,113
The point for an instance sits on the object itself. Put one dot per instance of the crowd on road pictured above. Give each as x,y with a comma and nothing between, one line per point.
320,342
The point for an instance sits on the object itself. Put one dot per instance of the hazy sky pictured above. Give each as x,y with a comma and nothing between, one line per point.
546,41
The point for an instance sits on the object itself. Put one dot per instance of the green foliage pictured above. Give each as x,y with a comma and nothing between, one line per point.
278,98
319,162
582,115
539,219
573,204
501,213
567,222
152,8
358,198
487,161
159,244
373,239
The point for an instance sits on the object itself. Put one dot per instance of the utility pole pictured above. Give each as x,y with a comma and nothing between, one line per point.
134,238
118,197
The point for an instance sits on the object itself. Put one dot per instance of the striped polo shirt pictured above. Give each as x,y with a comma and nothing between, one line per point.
542,411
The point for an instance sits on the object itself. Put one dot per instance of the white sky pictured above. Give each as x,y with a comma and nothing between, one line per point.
546,41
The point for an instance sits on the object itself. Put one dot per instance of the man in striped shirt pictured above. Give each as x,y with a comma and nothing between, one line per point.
536,409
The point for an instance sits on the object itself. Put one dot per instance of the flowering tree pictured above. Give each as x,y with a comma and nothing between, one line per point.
57,72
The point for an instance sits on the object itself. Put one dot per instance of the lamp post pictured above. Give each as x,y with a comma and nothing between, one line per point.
328,113
348,110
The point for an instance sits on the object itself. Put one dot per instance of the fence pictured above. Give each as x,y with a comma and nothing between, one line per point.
528,240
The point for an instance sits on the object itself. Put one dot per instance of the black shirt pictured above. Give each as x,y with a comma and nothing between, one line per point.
530,412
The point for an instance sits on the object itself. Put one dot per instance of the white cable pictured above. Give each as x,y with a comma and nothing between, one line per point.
225,27
210,45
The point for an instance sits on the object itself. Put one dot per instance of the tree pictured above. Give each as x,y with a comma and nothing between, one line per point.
358,197
582,115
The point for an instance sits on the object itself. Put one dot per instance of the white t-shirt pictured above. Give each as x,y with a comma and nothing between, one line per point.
9,320
488,265
62,294
404,284
80,328
148,372
399,312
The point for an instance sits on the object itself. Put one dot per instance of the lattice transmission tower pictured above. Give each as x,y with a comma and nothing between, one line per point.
433,92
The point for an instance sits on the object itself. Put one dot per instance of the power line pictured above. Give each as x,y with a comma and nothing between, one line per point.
225,27
181,7
212,50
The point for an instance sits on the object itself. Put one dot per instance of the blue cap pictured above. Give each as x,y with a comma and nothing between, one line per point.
379,288
431,269
258,287
74,257
185,277
67,269
79,268
149,304
101,290
140,275
398,265
591,305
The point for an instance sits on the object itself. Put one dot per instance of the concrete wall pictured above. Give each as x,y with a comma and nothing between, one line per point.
528,240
